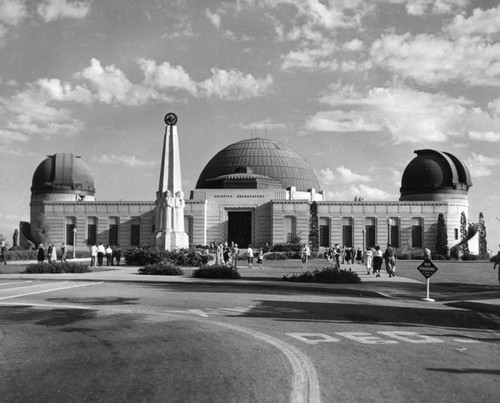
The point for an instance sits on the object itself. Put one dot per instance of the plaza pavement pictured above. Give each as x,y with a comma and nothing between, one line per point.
267,278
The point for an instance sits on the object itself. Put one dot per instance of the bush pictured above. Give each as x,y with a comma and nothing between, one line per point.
183,257
21,254
186,257
276,256
162,268
325,275
216,272
57,268
141,257
287,247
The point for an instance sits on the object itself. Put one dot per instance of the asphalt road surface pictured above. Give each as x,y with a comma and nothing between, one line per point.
136,342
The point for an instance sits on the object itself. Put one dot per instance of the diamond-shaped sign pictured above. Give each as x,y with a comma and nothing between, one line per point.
427,268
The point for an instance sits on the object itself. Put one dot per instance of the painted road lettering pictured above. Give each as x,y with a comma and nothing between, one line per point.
369,338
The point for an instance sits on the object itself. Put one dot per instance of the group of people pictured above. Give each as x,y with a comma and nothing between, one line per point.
113,254
51,254
228,254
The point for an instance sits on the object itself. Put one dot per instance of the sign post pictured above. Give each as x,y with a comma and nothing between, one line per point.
427,268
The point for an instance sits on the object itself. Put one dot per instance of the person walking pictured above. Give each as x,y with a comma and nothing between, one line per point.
336,254
368,260
93,255
497,263
260,257
427,254
390,260
225,254
377,260
41,253
63,253
219,257
250,256
359,256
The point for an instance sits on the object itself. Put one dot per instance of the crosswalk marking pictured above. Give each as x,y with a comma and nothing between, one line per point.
51,289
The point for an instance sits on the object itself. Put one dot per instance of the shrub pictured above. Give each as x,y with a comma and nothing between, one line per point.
142,257
287,247
186,257
162,268
216,272
276,256
325,275
57,268
21,254
182,257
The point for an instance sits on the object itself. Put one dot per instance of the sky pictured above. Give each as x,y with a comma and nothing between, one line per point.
354,86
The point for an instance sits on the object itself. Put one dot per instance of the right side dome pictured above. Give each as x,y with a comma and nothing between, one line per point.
434,176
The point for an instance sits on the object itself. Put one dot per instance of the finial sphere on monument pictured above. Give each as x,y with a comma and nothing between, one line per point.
170,119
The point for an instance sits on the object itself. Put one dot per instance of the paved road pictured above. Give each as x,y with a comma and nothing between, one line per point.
102,341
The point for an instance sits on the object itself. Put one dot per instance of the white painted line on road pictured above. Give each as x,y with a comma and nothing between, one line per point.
466,341
313,338
198,312
51,290
412,337
31,286
365,338
60,306
14,282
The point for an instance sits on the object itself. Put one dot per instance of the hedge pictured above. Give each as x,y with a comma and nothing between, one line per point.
216,272
162,268
57,268
325,275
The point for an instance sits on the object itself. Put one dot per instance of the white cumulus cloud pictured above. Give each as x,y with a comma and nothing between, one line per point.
51,10
128,160
481,165
341,175
12,12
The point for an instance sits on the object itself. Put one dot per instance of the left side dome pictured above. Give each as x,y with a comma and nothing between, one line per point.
63,173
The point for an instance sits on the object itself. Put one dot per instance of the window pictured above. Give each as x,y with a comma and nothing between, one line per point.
324,232
91,230
135,232
456,233
289,233
394,232
113,230
370,241
416,233
347,231
70,227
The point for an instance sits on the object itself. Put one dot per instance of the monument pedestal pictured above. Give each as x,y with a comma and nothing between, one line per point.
171,240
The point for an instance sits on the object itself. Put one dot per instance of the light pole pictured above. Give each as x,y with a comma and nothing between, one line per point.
388,230
74,243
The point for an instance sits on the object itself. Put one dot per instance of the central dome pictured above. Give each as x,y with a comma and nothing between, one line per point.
262,157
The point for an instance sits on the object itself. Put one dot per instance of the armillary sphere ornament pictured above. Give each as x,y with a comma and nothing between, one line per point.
170,119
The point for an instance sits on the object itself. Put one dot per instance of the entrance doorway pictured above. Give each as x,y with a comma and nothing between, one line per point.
239,227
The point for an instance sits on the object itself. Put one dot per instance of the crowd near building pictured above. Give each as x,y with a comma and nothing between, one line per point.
255,191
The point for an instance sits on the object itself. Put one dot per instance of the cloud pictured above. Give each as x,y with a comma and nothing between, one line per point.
364,191
409,115
421,7
213,17
11,136
110,85
341,175
263,125
481,165
493,137
127,160
354,45
51,10
234,85
466,51
166,76
12,12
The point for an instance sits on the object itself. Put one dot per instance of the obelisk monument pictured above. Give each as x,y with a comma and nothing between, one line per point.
169,208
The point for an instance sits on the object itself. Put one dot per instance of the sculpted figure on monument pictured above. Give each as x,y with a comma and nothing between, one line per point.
169,204
179,211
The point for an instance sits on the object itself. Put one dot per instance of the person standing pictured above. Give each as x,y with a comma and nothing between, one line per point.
118,254
3,252
497,263
250,256
101,251
234,255
427,254
49,253
63,253
93,255
109,255
53,254
41,253
225,254
305,254
377,260
336,253
368,260
219,258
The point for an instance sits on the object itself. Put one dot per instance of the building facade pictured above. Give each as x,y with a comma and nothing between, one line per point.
255,191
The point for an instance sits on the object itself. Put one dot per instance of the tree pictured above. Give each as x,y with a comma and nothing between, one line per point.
463,233
441,237
483,245
313,226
